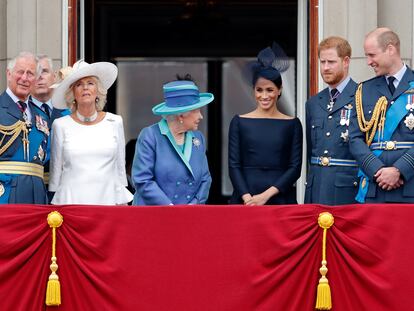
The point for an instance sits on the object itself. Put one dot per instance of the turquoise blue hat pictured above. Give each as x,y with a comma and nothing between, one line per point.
181,96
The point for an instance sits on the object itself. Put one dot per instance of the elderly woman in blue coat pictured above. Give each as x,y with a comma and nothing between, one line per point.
170,164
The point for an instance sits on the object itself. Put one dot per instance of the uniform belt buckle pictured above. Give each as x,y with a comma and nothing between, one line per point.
390,145
325,161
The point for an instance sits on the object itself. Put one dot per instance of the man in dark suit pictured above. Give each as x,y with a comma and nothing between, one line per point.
41,95
332,170
382,135
25,132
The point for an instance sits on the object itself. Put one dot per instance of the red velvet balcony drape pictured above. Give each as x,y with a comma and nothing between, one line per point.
206,258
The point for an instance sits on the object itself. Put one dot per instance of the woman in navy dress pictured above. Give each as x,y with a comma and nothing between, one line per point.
265,145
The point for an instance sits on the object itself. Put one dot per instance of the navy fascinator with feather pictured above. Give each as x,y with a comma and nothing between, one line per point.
270,63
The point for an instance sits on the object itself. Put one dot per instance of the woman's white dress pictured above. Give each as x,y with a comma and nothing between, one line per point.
87,164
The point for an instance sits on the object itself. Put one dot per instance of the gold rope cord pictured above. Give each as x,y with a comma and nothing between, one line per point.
53,297
377,120
323,295
14,131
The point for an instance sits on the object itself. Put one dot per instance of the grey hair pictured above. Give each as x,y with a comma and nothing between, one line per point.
101,95
39,57
24,54
174,117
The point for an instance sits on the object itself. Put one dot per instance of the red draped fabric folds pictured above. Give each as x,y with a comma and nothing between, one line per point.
207,258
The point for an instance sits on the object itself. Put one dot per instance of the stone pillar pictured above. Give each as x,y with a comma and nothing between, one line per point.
353,19
398,15
27,25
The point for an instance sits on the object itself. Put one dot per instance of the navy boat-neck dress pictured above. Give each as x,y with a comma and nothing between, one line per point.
263,153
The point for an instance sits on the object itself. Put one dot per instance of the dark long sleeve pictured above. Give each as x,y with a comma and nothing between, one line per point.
292,173
235,161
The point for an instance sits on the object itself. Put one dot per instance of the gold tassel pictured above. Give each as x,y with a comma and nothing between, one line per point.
323,297
53,298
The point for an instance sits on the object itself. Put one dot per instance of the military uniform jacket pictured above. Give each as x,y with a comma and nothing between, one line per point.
19,188
327,136
163,174
403,159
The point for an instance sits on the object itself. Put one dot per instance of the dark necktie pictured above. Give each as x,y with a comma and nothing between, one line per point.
22,106
334,95
391,84
46,109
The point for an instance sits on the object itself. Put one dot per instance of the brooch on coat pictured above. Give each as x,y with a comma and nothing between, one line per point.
196,142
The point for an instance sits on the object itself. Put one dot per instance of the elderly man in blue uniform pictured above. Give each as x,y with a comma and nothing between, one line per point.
41,95
24,136
332,172
382,136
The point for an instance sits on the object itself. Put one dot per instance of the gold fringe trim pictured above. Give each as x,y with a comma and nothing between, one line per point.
323,297
14,131
377,120
53,297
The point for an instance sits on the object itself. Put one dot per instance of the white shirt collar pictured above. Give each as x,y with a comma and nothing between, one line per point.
14,97
39,104
398,76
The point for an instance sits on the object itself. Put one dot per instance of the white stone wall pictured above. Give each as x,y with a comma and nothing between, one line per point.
29,25
353,19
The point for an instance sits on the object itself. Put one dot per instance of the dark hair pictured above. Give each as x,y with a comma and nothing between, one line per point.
276,78
271,62
187,77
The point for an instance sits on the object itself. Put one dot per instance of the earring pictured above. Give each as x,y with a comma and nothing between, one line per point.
181,121
97,100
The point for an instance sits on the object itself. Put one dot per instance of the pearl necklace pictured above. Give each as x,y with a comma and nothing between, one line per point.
87,119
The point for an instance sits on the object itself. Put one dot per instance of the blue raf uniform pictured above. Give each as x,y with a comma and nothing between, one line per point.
392,147
332,171
164,173
51,115
22,157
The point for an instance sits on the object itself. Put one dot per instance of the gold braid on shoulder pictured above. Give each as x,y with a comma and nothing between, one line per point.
14,131
377,120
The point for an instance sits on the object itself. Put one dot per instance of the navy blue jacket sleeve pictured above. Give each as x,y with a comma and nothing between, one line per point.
235,171
292,173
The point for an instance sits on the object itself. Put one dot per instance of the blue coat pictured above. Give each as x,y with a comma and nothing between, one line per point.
372,90
327,137
23,188
165,175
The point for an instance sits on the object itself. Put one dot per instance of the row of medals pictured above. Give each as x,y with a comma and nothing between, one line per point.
344,120
409,120
41,125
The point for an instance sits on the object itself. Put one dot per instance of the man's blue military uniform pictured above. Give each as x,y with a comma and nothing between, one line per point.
51,115
23,150
332,176
393,146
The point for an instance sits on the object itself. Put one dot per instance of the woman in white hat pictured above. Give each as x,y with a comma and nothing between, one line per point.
87,164
170,164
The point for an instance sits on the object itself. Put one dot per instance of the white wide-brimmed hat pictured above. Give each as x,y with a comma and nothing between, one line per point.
104,71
